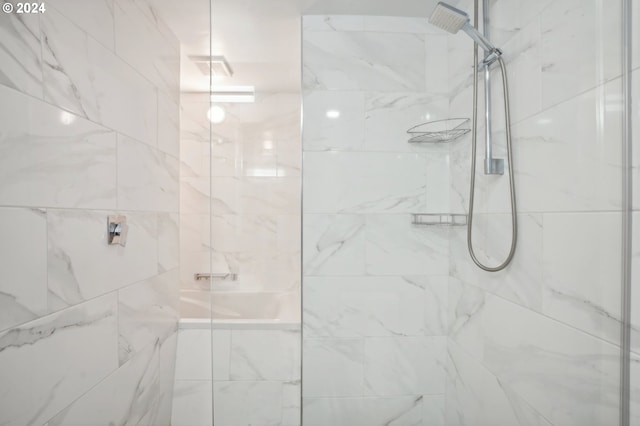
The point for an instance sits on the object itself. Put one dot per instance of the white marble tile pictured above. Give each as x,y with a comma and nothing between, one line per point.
51,158
21,56
128,396
95,18
247,402
81,264
433,410
437,71
460,58
273,195
265,355
147,178
291,403
147,313
567,70
168,241
79,72
465,307
332,23
141,43
193,356
38,354
524,75
253,195
397,24
476,397
332,367
521,281
168,125
509,16
363,61
258,149
221,354
195,194
397,366
192,403
435,302
333,244
195,158
167,378
394,247
388,117
438,191
373,306
581,271
333,121
235,233
194,233
569,377
405,411
584,132
23,266
371,182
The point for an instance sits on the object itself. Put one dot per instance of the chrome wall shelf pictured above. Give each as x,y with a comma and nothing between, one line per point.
438,219
439,131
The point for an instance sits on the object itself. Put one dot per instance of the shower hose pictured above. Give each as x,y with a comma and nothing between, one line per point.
474,137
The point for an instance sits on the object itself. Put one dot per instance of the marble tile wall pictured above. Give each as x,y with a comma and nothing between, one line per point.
244,189
539,341
89,115
375,287
255,377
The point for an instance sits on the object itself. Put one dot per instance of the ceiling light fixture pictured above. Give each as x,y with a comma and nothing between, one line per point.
233,94
333,114
216,114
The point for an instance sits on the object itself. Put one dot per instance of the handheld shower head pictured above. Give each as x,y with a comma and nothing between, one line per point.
453,20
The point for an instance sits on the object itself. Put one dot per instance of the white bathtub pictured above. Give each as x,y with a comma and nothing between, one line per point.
249,351
239,310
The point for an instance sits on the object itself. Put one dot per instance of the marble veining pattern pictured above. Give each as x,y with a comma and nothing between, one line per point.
20,53
23,270
67,100
40,350
51,158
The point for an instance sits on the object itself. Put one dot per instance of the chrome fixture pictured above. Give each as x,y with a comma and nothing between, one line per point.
438,219
453,20
117,230
221,276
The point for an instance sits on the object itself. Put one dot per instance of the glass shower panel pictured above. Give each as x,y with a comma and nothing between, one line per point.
192,399
375,285
399,324
255,213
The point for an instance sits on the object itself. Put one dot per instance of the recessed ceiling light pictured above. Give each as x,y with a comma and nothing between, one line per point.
233,94
216,114
333,113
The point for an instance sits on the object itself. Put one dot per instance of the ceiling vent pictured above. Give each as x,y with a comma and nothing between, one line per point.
216,66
